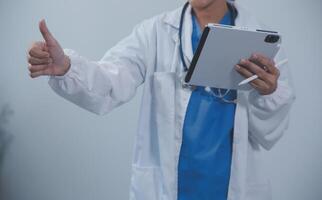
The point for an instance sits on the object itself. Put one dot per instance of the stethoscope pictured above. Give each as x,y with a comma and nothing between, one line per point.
220,95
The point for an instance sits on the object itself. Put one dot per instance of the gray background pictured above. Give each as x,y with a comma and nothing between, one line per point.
53,150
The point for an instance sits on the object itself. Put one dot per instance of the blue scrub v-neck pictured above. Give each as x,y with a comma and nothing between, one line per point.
206,150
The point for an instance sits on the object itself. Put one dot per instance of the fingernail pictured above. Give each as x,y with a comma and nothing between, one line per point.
237,66
254,56
242,61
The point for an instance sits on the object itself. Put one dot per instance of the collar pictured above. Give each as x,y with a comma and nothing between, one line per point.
244,19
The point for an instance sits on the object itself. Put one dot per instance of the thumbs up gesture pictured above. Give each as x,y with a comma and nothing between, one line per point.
47,57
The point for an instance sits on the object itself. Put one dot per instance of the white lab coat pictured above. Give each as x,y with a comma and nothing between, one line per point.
150,57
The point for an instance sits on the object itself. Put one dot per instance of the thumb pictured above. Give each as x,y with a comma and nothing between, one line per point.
49,38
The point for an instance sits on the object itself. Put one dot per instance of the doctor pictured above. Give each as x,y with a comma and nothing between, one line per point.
191,144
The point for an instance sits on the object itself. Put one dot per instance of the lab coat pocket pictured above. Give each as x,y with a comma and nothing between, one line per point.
145,183
259,191
163,96
163,93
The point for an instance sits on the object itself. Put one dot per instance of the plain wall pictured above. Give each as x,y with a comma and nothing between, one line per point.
54,150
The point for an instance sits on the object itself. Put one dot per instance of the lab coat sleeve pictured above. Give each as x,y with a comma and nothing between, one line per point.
103,85
268,115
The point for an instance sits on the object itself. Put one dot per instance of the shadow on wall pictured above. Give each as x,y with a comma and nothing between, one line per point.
5,137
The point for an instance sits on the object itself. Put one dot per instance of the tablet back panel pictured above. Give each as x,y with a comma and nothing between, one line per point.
220,50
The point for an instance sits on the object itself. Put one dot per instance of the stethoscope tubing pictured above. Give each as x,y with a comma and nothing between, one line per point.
234,13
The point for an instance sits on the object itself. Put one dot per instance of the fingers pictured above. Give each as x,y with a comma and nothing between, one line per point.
37,74
264,68
39,61
39,70
49,38
257,83
255,69
265,61
36,68
38,52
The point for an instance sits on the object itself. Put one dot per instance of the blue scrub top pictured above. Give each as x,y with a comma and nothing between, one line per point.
206,150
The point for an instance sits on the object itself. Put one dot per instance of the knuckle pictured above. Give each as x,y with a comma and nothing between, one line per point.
261,59
30,50
248,63
34,46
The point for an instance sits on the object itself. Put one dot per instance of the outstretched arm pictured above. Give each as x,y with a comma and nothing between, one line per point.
96,86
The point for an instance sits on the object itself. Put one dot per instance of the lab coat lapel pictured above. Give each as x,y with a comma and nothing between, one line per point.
186,36
182,95
173,19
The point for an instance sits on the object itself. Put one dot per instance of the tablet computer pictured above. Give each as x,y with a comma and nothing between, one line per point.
221,47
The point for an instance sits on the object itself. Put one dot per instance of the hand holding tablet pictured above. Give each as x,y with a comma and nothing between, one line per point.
222,47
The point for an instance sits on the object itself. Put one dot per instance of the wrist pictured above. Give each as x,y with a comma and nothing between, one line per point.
66,64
